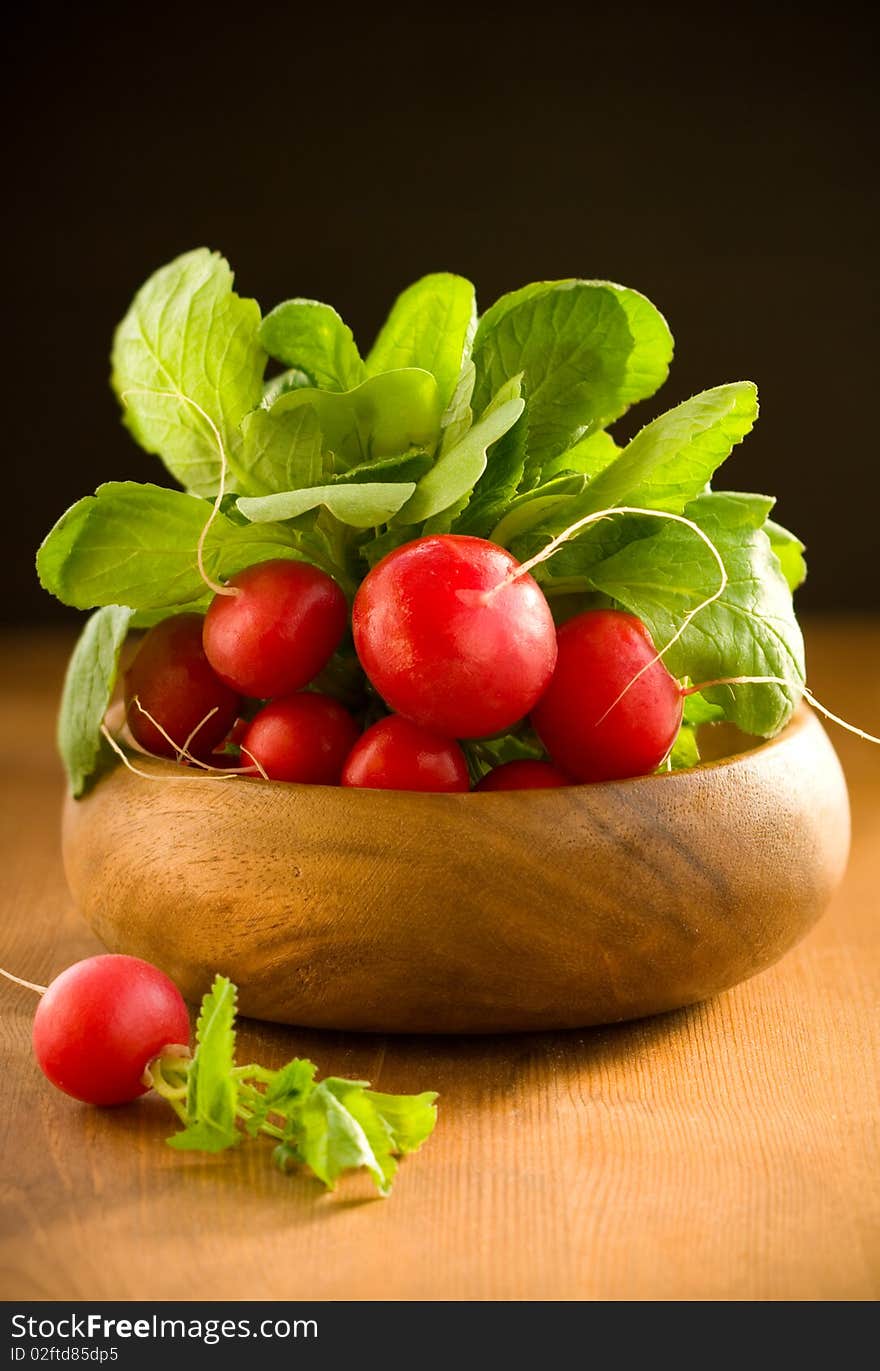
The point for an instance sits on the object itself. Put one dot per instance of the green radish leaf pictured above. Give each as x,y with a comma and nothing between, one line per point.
457,420
529,510
458,415
698,710
146,618
212,1092
311,337
136,545
457,471
331,1127
188,333
498,484
477,510
282,451
790,551
362,1123
685,750
749,631
443,522
290,1085
364,504
410,1118
669,462
376,548
589,456
342,1125
276,386
487,753
284,1091
431,325
569,568
666,464
514,300
409,466
588,349
330,1137
88,686
385,416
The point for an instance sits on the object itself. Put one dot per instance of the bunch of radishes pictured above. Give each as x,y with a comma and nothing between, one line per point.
453,637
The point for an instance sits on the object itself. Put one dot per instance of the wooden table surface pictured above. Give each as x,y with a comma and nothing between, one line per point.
725,1151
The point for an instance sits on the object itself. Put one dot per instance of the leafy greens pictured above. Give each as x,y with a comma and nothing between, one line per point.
494,426
330,1126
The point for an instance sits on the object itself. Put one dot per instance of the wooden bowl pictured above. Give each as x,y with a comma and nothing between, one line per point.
385,911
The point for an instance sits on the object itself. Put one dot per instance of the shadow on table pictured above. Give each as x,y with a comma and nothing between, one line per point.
464,1068
107,1151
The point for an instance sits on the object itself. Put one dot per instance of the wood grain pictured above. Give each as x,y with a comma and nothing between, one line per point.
378,911
726,1151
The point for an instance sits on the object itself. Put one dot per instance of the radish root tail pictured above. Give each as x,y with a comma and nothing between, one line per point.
595,518
259,766
183,753
217,587
28,985
557,542
780,681
217,773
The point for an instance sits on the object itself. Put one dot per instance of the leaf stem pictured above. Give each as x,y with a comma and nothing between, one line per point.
254,1072
174,1094
246,1114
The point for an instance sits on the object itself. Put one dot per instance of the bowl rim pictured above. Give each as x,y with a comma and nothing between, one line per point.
803,717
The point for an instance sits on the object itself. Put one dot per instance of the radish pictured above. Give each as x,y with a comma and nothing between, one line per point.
452,638
612,709
524,775
303,738
398,755
174,700
100,1024
274,627
111,1028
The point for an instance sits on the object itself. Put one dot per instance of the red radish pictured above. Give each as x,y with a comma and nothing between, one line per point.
171,679
278,631
303,738
611,710
450,639
101,1022
524,775
398,755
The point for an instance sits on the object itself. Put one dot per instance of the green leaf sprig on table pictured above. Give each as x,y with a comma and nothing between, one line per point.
327,1126
495,426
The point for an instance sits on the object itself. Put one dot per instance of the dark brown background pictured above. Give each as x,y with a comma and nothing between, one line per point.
721,159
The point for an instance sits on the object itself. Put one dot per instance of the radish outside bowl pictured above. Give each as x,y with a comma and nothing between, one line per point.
396,912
